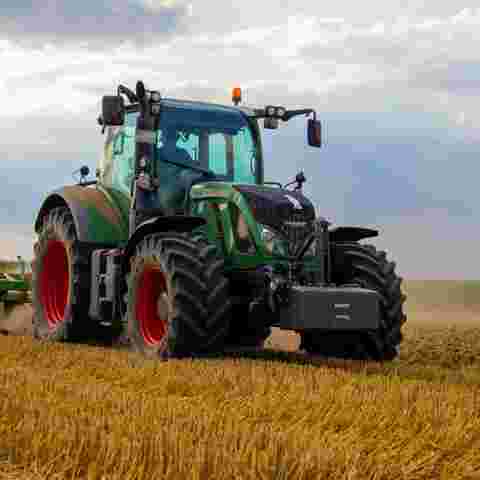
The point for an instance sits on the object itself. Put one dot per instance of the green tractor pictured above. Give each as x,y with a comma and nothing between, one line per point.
181,248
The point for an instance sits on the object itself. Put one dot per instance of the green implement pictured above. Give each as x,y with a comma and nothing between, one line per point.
15,290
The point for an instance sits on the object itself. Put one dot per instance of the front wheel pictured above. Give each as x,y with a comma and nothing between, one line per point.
176,301
364,265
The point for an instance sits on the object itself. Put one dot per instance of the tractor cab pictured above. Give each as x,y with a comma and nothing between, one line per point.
157,148
193,142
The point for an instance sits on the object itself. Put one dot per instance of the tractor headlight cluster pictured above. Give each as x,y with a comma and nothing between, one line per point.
272,240
155,99
275,112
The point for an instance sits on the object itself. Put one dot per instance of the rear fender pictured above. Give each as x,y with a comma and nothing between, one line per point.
100,215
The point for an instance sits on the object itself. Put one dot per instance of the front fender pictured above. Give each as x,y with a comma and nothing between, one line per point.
100,215
175,223
351,234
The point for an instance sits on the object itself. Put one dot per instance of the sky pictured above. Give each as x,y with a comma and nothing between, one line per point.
394,83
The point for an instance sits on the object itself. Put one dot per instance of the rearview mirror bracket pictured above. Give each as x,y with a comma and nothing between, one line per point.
270,123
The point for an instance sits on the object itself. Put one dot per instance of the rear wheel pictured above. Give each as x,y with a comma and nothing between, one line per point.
60,283
363,265
175,301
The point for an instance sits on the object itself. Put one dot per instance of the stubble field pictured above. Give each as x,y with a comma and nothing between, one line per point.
71,411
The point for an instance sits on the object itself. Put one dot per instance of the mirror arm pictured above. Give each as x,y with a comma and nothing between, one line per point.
260,113
293,113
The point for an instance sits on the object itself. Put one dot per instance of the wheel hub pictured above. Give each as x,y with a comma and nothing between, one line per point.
54,283
152,305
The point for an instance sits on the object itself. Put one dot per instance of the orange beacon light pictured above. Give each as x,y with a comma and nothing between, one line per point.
236,95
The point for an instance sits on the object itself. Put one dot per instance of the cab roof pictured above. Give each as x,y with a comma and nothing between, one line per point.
177,104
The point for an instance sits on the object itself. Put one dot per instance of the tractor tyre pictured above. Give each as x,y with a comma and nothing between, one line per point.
60,282
363,265
177,303
246,329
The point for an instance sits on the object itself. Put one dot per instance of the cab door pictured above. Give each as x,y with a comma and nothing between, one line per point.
123,155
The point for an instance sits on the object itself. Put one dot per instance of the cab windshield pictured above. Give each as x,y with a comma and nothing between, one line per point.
208,138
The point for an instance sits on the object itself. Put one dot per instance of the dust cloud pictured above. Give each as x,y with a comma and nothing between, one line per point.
17,321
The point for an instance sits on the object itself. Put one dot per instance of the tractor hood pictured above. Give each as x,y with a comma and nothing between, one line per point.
289,213
274,206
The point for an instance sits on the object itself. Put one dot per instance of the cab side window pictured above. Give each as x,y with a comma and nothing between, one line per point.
124,155
218,153
244,148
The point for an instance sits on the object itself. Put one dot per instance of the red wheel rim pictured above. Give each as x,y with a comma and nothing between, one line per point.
54,283
151,289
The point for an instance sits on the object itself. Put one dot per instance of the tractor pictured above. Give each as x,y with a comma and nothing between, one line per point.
181,248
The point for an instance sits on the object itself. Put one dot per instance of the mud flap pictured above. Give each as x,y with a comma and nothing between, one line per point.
330,308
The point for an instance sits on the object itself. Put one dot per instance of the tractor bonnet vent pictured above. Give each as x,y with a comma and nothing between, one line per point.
290,213
296,229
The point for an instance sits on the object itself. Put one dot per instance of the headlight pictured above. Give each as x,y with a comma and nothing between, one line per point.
270,111
273,241
268,235
155,97
155,109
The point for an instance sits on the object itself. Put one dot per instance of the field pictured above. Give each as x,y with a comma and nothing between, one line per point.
72,411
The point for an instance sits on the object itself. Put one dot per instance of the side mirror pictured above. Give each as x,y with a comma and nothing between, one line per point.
314,133
270,123
113,110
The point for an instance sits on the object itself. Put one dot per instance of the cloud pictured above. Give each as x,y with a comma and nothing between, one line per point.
433,245
14,241
330,57
455,77
89,21
395,86
159,5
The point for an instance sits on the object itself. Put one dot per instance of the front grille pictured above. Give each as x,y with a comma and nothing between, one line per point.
296,229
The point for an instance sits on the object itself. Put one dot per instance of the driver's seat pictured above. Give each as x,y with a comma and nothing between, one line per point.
179,155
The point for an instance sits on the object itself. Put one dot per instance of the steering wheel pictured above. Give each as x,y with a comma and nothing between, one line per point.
183,136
